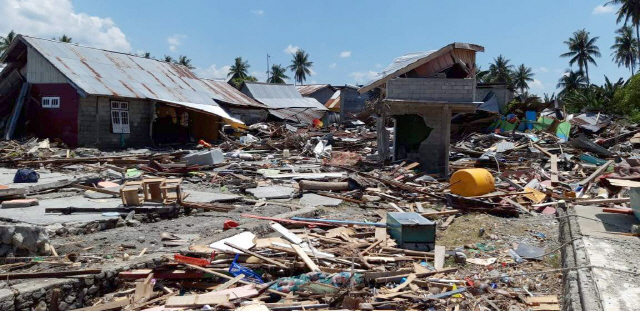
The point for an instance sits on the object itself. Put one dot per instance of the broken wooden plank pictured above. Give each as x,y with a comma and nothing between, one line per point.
196,300
307,261
595,174
541,299
116,304
554,170
267,259
285,233
438,261
419,207
404,284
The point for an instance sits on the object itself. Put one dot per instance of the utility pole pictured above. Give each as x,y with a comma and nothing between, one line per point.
268,56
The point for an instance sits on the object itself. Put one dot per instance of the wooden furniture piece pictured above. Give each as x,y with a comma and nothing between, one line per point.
152,189
170,190
129,193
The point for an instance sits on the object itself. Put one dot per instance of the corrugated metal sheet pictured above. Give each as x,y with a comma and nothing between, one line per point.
300,115
281,96
334,102
230,94
101,72
306,90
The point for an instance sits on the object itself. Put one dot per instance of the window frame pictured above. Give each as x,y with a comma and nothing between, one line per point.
49,100
119,114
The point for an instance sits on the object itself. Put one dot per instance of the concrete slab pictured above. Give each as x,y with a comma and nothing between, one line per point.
7,174
312,199
613,257
36,214
208,197
272,192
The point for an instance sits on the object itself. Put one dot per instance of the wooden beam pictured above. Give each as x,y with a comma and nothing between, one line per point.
307,261
554,170
267,259
596,173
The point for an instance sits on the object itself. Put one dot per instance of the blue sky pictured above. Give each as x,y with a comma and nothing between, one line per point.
348,41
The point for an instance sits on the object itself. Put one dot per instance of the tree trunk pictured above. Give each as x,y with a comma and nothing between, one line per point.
586,70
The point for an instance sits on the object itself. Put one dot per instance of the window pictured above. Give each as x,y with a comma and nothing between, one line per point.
51,102
120,117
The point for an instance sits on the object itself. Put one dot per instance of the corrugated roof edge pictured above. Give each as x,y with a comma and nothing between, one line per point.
456,45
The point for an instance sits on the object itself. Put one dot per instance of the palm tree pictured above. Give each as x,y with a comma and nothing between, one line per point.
65,39
548,99
5,42
168,59
571,80
500,70
521,77
582,49
239,69
184,61
481,75
625,50
301,66
277,74
629,11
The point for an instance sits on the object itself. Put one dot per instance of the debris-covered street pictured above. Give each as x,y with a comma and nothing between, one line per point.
134,182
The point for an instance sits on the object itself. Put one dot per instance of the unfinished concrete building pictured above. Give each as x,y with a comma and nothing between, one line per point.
420,91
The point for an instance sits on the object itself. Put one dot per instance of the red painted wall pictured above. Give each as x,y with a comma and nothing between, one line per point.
54,123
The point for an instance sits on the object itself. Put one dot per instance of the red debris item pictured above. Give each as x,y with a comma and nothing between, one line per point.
228,224
190,260
469,281
205,144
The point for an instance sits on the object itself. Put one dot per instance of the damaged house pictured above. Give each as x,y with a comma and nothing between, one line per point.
343,102
85,96
419,92
285,102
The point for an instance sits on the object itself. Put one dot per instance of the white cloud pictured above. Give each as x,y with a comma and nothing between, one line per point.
378,65
313,72
174,41
536,85
291,49
213,72
257,12
345,54
334,65
542,69
601,9
362,76
53,18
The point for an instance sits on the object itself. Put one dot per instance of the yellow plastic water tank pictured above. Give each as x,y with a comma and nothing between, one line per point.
472,182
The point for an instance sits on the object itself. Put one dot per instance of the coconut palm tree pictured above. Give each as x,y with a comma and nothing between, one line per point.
571,80
65,39
625,49
301,66
185,61
5,42
277,74
239,69
629,11
521,77
168,59
582,49
500,70
146,55
481,75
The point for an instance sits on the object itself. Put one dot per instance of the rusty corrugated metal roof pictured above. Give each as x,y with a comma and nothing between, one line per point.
306,90
108,73
230,94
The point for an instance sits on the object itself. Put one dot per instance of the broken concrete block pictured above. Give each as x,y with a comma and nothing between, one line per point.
33,239
108,184
19,203
272,192
208,157
312,199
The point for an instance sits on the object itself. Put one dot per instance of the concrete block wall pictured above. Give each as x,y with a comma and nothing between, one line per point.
436,89
433,150
94,123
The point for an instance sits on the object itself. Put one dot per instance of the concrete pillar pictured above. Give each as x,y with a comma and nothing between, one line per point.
434,151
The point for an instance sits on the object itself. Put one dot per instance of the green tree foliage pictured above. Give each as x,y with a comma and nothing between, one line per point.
501,71
626,100
521,78
278,74
301,66
582,49
5,42
185,61
625,49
